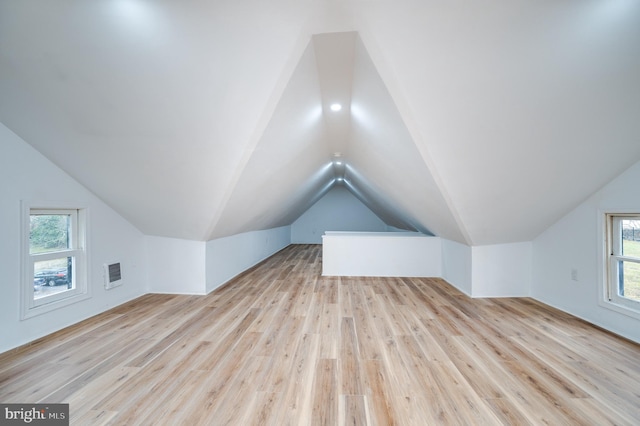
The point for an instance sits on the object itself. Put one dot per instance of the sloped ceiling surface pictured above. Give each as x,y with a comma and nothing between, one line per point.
480,122
306,148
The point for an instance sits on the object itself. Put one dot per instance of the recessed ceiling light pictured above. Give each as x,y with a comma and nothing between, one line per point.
336,107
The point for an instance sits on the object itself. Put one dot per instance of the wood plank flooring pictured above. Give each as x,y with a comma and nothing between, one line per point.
282,345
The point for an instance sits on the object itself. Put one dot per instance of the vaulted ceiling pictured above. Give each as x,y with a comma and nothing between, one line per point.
481,122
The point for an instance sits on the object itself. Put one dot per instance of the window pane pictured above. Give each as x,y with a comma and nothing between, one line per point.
629,284
631,237
49,233
52,277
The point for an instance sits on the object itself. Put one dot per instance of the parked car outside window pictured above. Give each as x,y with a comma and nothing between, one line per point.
51,277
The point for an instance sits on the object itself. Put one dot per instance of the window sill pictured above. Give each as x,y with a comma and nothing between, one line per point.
58,304
622,309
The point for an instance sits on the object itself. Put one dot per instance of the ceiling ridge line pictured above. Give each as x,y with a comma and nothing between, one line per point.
289,68
397,95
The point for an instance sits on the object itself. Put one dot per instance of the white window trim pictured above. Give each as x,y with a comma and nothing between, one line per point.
608,298
30,307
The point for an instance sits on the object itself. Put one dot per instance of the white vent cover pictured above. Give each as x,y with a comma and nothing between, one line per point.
112,275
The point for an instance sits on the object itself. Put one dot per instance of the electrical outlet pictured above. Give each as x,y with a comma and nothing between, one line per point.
574,274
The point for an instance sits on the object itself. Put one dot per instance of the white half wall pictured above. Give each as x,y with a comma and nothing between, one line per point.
176,266
229,256
27,175
338,210
576,243
456,265
381,254
501,270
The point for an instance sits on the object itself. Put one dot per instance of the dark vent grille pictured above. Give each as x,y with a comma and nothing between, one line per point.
114,272
112,275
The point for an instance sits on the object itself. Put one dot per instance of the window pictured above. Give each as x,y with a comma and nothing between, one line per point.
54,259
623,260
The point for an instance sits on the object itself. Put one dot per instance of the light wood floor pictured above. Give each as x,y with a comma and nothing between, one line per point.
282,345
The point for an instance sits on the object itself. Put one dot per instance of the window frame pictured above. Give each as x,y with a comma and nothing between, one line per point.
77,249
612,244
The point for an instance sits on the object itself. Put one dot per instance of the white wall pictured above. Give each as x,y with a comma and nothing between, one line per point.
456,265
388,254
338,210
197,267
575,242
176,265
27,175
501,270
229,256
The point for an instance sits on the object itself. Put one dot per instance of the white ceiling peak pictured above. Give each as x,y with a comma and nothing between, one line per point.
308,146
334,54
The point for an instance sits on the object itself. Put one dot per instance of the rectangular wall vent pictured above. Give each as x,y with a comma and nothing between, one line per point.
112,275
